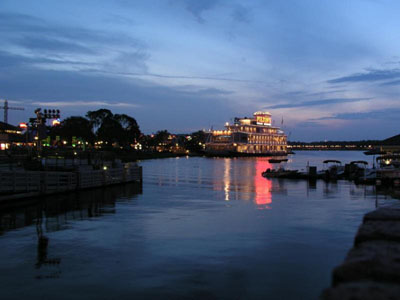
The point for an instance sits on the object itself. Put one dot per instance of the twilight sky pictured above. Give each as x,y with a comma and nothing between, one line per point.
331,69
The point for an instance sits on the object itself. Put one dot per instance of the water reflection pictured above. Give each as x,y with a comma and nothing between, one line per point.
262,185
227,178
54,212
195,232
242,180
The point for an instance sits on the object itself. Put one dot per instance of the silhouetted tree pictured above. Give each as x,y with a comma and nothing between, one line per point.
130,126
110,128
74,126
111,131
97,117
161,136
195,144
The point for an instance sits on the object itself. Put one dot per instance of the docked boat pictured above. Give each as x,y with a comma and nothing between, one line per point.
280,173
277,160
248,137
356,169
332,170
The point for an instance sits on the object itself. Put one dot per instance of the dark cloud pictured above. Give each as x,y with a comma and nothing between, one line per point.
395,82
300,94
385,114
197,8
369,76
171,76
318,102
53,45
241,14
37,35
9,61
154,106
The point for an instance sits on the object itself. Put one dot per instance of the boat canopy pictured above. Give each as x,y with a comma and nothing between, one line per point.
374,152
332,161
359,162
388,157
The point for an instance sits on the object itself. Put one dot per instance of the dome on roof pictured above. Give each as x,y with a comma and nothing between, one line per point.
261,113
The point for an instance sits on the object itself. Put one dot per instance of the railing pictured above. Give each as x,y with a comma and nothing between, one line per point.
46,182
19,182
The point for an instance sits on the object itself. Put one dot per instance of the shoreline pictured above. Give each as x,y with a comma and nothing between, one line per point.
371,269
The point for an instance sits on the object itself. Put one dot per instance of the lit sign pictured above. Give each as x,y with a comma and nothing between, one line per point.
23,125
56,122
263,120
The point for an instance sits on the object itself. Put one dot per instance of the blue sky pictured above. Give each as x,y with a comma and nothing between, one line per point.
331,69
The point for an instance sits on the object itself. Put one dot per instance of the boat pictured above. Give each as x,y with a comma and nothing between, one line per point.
356,169
374,152
247,137
332,170
277,160
280,173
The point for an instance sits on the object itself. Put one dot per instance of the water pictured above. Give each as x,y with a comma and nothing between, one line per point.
199,228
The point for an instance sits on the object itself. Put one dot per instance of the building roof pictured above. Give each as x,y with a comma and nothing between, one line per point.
5,126
261,113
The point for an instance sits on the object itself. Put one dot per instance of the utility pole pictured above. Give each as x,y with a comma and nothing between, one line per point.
6,108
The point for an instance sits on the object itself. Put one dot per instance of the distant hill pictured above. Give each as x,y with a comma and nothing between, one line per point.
392,141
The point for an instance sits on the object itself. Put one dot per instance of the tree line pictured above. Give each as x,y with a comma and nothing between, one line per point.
98,125
102,126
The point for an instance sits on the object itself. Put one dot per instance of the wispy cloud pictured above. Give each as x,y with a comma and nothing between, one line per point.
83,104
241,14
318,102
197,8
395,82
171,76
41,41
384,114
369,76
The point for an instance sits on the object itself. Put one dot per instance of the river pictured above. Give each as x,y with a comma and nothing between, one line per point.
198,228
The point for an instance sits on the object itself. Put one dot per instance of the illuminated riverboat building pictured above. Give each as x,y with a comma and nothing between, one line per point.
248,136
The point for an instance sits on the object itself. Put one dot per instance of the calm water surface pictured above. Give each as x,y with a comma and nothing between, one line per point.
198,228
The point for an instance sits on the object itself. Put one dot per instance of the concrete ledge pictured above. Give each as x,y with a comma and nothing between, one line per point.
362,291
371,269
384,214
378,230
372,260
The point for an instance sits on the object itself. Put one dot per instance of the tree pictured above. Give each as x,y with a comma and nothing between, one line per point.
161,136
198,139
111,131
130,126
97,117
74,126
110,128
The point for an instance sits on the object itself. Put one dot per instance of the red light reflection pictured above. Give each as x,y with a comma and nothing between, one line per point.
262,186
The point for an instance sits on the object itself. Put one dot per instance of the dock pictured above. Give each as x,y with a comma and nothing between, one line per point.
20,184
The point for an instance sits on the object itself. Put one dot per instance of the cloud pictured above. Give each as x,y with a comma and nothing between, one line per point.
318,102
171,76
154,106
395,82
52,44
34,37
197,8
369,76
241,14
10,61
385,114
83,103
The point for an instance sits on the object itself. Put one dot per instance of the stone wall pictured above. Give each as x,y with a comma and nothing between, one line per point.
371,269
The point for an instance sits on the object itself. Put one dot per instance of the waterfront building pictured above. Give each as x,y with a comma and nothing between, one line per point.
248,136
10,135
